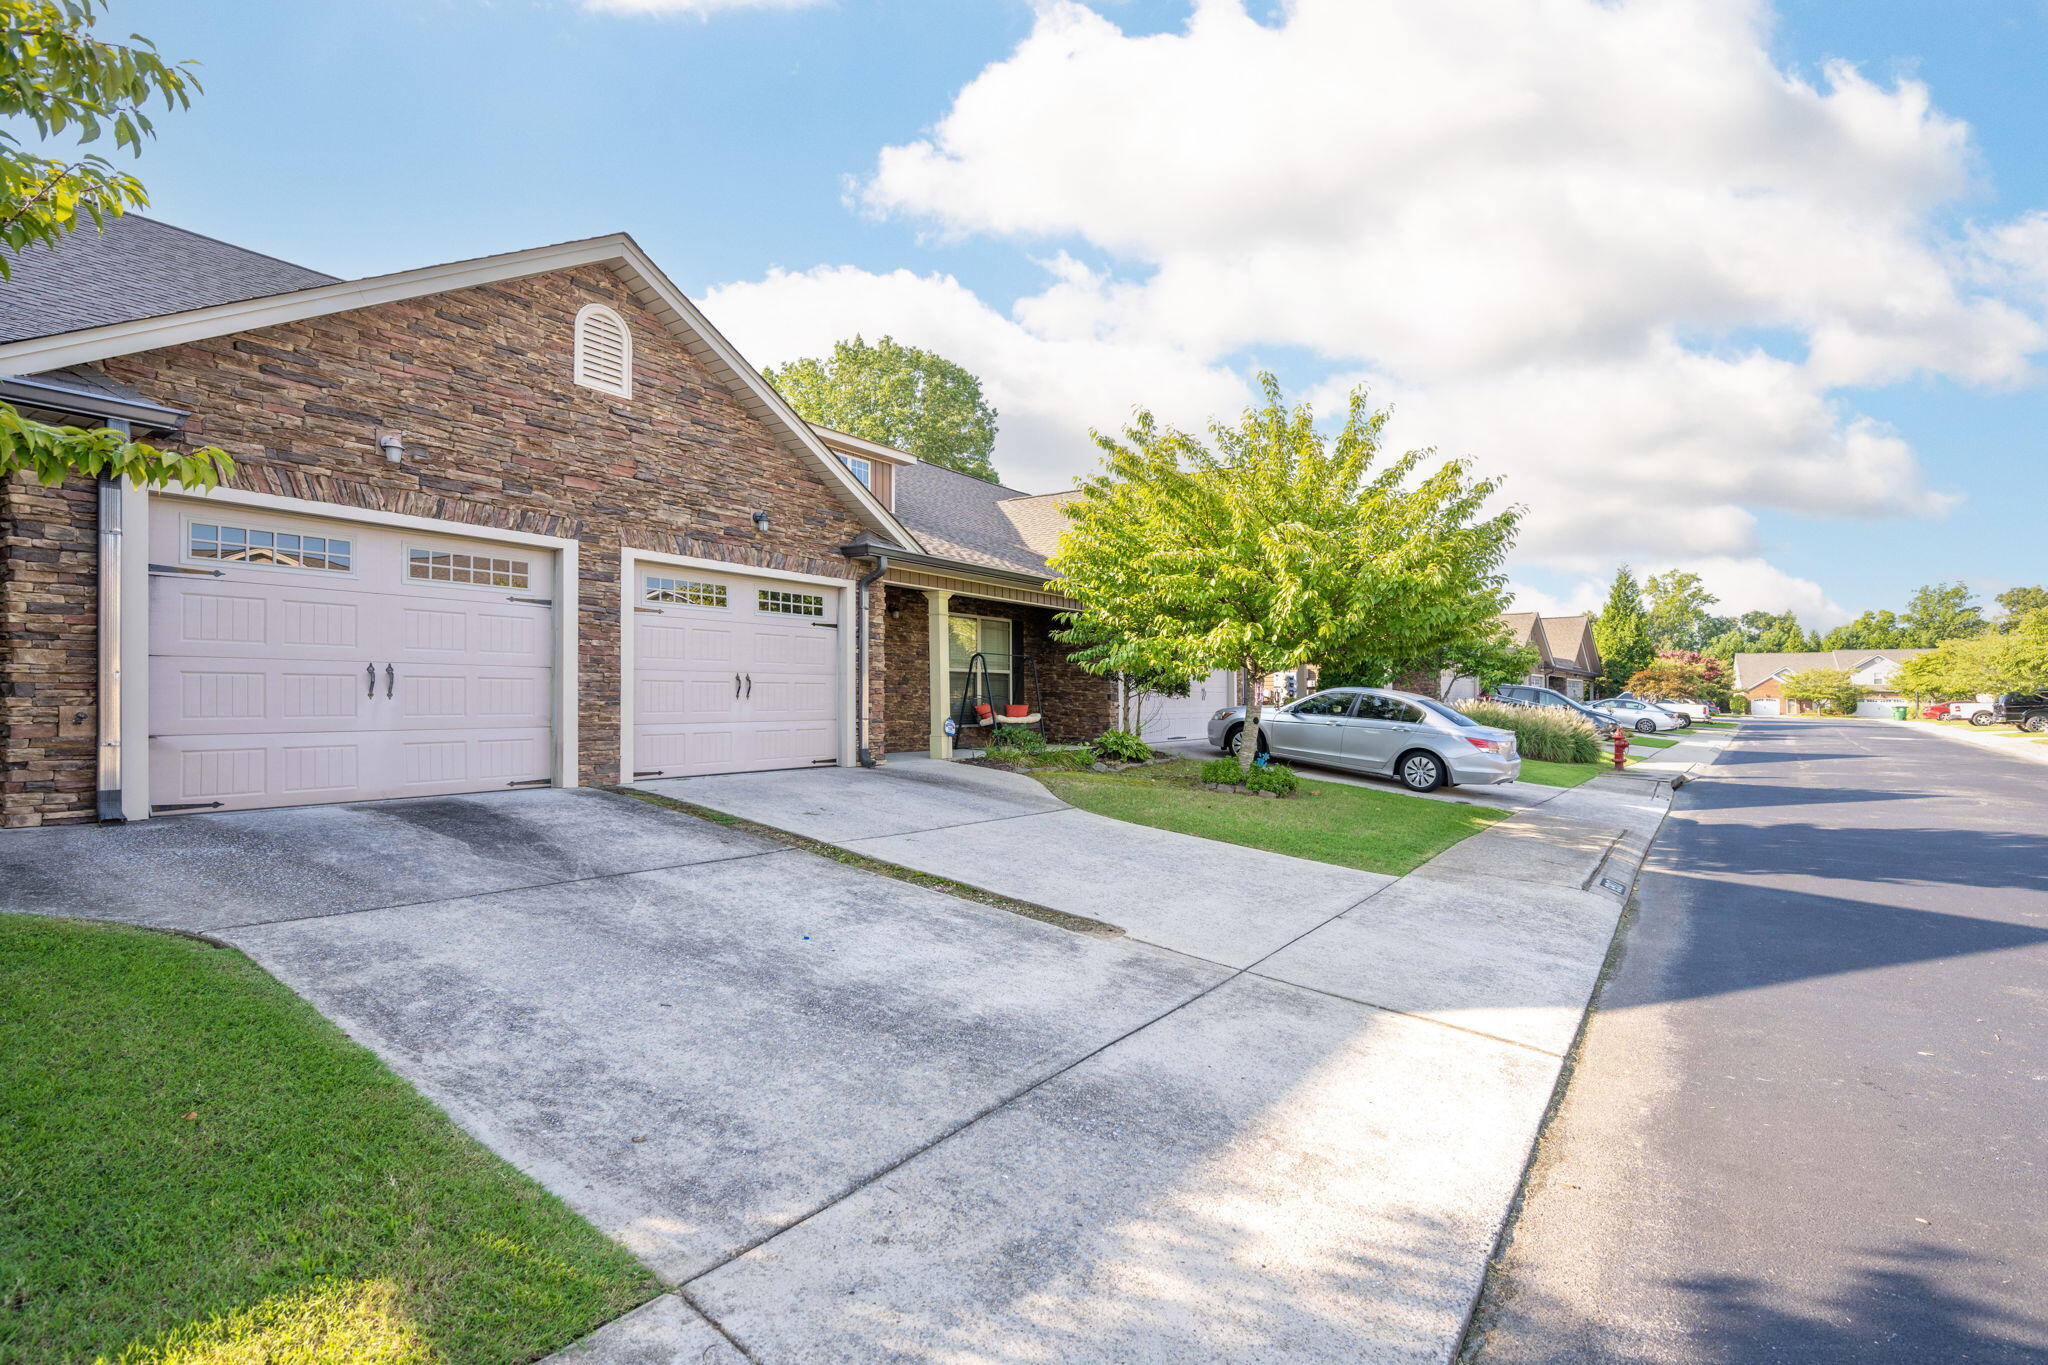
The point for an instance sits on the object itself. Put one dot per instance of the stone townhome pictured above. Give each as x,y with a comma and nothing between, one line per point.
516,521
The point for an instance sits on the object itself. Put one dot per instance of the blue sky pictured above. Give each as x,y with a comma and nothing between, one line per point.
1039,233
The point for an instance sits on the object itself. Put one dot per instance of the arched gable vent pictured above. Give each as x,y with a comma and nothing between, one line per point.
604,351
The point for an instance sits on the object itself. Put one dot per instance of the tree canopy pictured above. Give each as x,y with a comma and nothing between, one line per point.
1622,632
1675,610
1831,686
901,396
1942,611
64,82
1273,546
2014,660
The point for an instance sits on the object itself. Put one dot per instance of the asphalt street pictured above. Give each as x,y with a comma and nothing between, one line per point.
1809,1120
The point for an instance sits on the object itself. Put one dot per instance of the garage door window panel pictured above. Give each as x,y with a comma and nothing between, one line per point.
468,569
217,542
685,592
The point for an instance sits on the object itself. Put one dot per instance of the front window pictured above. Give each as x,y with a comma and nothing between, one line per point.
278,549
988,636
861,469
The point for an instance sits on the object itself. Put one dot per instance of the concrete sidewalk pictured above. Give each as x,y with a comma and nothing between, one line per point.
1308,1161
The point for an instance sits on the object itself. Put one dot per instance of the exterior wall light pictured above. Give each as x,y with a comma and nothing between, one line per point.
393,446
761,522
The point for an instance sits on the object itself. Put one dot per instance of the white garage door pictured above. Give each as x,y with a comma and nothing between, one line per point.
294,661
1763,706
1164,718
732,673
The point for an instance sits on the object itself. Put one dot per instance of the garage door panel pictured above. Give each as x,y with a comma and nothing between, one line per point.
1163,717
732,674
277,683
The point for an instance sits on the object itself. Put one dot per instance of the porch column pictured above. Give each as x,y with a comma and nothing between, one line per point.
936,601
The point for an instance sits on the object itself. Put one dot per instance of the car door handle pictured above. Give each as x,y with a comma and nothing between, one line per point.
370,671
390,682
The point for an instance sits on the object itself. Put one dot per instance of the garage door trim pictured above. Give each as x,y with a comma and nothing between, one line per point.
633,562
132,692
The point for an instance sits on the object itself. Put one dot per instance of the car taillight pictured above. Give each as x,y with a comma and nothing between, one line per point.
1490,745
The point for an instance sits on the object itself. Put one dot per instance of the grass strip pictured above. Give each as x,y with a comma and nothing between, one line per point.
196,1166
1330,822
1079,924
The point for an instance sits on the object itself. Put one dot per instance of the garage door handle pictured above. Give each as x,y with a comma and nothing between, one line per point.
750,685
735,686
370,671
390,682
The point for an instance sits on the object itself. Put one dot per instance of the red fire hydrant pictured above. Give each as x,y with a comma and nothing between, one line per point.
1620,751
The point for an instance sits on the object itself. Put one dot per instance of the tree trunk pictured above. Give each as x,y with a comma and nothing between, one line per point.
1248,741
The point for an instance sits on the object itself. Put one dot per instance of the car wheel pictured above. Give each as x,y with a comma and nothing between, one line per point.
1646,726
1420,771
1980,718
1234,737
2036,724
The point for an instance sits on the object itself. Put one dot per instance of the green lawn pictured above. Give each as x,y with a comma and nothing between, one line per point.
1562,774
196,1167
1636,741
1332,822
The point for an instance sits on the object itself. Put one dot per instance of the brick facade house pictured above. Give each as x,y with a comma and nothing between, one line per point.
516,521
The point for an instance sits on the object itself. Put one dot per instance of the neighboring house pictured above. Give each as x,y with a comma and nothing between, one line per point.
521,520
1567,659
1760,677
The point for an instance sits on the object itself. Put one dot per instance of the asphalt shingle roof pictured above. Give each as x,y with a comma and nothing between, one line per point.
977,522
137,268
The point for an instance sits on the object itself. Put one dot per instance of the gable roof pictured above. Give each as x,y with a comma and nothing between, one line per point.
977,522
42,349
137,268
1526,628
1571,639
1754,669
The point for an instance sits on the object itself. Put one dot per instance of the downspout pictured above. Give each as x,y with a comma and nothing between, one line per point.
861,751
109,782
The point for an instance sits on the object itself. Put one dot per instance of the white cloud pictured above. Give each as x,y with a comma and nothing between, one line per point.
1050,378
697,7
1741,583
1605,247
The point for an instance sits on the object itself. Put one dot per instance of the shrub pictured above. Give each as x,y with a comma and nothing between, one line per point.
1020,737
1738,704
1548,734
1272,777
1222,770
1120,746
1004,753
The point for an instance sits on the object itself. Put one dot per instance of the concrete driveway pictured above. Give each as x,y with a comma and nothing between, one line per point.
853,1119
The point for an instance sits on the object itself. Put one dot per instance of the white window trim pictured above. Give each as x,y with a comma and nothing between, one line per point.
406,549
584,316
187,520
861,467
135,560
633,562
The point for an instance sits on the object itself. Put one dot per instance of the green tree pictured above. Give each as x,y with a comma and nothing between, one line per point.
65,83
1830,686
1277,548
1621,631
2015,603
2010,661
1784,635
1676,605
1871,630
899,395
1942,611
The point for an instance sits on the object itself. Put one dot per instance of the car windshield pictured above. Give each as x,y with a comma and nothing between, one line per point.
1437,708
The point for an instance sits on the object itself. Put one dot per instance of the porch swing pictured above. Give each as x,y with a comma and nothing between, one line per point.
977,696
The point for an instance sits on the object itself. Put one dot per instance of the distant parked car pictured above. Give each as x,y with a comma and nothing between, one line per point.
1642,716
1691,710
1418,741
2028,710
1938,711
1521,695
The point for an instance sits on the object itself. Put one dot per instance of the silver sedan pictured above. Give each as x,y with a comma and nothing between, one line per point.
1419,741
